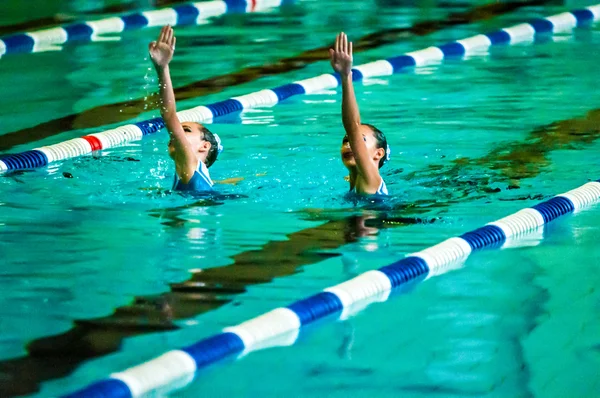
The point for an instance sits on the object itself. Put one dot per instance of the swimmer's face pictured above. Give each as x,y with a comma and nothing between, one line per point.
370,141
195,135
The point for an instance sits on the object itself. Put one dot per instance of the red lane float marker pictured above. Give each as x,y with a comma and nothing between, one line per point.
94,142
253,5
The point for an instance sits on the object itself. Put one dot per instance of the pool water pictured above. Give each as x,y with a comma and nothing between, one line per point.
103,267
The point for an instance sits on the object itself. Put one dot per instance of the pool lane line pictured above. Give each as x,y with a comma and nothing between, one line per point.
281,326
65,17
217,286
186,14
525,32
126,110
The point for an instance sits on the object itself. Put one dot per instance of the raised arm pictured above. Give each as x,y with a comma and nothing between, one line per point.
161,52
341,61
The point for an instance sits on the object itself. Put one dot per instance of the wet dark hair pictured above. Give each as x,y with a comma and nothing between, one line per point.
213,152
381,142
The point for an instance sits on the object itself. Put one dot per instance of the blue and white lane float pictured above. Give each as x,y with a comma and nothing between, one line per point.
185,14
281,326
524,32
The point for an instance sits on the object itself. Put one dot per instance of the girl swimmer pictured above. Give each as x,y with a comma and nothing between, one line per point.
192,147
364,147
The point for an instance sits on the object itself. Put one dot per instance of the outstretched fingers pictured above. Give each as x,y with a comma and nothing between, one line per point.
162,34
169,37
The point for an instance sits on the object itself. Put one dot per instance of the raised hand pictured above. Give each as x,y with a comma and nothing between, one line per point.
161,51
341,55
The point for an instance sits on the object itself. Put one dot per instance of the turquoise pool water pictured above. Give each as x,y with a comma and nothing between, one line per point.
472,141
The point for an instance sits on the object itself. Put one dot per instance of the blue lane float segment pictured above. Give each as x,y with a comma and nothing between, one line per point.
499,37
554,208
356,75
151,126
108,388
541,25
79,31
25,160
215,348
225,107
20,43
288,90
488,236
584,17
316,307
401,62
236,5
134,21
186,14
405,270
454,49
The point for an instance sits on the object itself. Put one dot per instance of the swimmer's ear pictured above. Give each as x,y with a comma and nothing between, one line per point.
379,153
205,146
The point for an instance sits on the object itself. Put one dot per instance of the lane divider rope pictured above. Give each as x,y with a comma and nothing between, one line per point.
281,326
524,32
185,14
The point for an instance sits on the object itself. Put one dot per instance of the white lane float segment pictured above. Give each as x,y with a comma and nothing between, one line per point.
108,25
475,44
319,83
66,150
428,56
151,375
265,327
263,98
520,223
198,114
43,38
520,33
210,9
358,306
359,288
2,48
528,239
374,69
131,132
116,137
50,154
564,22
3,166
450,251
284,339
583,196
167,16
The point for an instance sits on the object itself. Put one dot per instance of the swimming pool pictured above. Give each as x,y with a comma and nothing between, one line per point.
77,248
